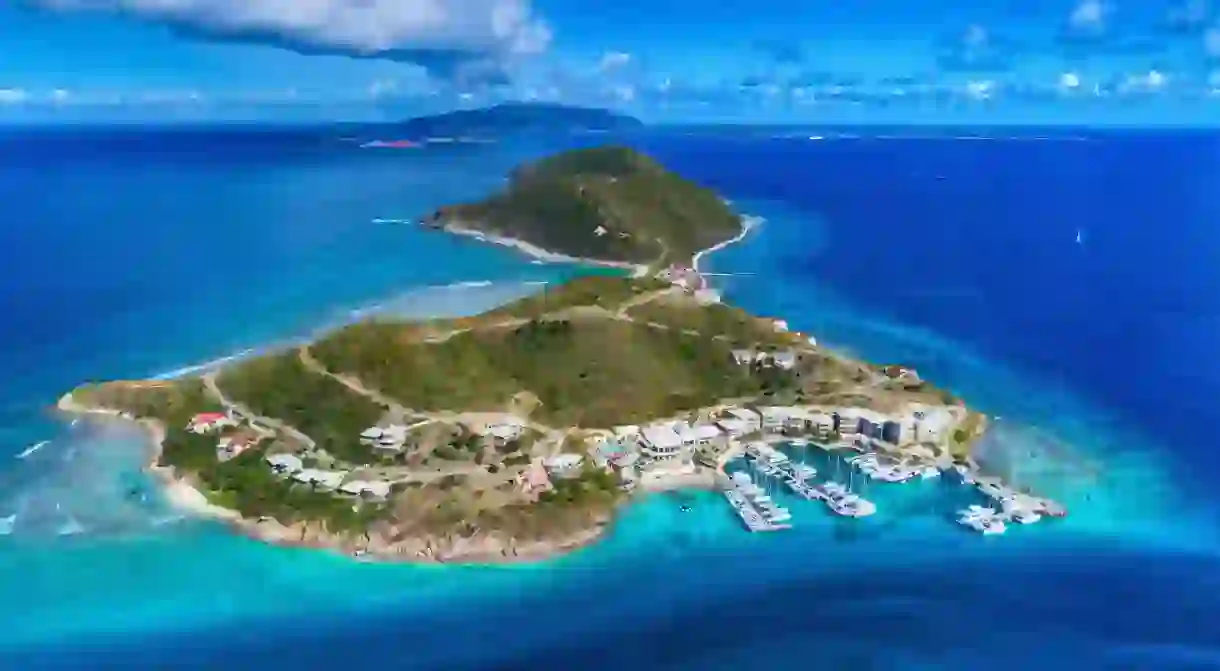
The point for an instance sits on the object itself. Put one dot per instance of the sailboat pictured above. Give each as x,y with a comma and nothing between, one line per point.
1079,237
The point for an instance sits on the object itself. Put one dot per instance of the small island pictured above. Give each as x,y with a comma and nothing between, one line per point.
516,434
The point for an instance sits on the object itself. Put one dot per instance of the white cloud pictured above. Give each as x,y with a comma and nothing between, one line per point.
1069,81
13,96
612,60
367,27
1089,15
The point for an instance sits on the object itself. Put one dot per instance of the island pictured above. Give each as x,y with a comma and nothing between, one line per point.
517,433
505,119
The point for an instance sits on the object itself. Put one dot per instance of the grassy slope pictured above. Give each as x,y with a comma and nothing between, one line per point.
557,203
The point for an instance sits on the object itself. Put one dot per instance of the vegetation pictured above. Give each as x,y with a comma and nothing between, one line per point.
280,386
740,328
644,211
606,291
585,372
173,402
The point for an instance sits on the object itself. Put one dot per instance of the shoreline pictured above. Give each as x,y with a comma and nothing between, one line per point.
488,550
748,223
538,253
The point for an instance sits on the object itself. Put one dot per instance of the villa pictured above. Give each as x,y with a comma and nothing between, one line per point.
501,428
376,489
323,479
786,359
207,422
285,464
739,422
660,443
563,465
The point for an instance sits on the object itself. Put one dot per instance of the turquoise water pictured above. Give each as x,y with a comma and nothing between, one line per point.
136,586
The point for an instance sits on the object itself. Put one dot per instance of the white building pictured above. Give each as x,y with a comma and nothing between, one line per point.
750,420
701,435
318,478
744,356
661,443
627,432
501,428
785,360
563,465
285,463
375,489
775,418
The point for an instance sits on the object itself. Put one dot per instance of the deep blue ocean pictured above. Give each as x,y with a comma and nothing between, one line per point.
1063,282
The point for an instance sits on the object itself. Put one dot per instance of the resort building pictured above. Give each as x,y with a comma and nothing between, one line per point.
501,428
375,489
321,479
563,465
285,464
207,422
701,435
661,443
786,359
740,421
627,433
533,481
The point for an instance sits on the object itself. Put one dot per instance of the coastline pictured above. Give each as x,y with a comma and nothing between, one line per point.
477,548
538,253
184,496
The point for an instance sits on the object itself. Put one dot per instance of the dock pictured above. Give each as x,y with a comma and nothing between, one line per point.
750,516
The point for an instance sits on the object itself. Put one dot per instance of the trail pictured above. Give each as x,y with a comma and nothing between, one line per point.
209,381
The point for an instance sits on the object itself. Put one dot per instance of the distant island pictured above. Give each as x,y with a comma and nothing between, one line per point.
516,434
511,118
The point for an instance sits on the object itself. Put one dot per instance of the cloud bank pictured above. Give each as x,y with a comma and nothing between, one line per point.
438,34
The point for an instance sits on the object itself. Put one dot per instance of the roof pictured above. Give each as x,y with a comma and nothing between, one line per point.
209,416
564,461
286,461
699,432
661,436
743,414
325,478
626,430
371,432
374,487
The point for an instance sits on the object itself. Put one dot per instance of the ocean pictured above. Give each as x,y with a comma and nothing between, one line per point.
1060,281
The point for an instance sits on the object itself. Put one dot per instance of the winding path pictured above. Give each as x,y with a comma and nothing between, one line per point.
209,381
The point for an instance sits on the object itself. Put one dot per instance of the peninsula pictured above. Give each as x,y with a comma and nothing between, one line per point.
516,434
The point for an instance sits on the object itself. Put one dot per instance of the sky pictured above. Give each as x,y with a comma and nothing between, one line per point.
1075,62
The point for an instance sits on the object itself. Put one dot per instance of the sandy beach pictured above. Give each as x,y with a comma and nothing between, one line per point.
534,251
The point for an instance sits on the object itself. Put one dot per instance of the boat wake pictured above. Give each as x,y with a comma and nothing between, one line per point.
32,449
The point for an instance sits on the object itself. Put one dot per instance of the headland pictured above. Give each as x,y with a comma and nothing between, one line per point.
517,433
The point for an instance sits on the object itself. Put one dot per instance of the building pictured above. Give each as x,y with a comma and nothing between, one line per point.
749,420
775,418
563,465
207,422
661,443
847,421
744,356
321,479
533,481
366,489
785,360
701,435
627,433
501,428
285,464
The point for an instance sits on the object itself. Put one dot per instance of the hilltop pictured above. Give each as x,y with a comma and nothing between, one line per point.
510,118
605,203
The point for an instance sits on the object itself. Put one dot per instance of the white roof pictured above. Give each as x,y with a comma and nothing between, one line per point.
699,432
505,430
371,432
626,430
330,479
561,461
376,487
732,425
661,436
743,414
287,462
779,411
